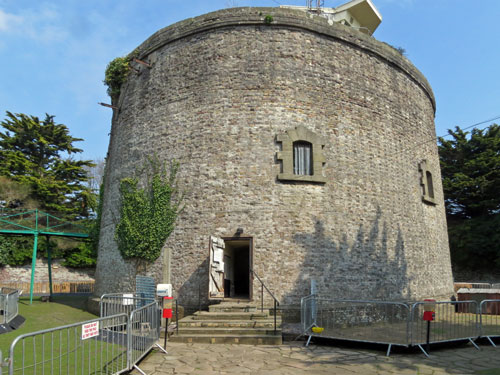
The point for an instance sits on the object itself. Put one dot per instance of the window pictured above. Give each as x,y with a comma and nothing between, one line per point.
430,187
426,183
302,158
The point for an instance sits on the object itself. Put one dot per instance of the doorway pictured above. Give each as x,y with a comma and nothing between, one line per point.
237,265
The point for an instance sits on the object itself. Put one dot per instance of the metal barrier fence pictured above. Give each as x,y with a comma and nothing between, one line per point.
397,323
489,319
97,346
454,321
109,345
117,303
143,332
9,299
364,321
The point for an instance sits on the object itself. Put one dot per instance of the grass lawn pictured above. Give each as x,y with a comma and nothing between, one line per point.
62,351
65,351
42,315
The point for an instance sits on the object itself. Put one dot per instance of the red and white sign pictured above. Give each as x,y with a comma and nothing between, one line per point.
90,330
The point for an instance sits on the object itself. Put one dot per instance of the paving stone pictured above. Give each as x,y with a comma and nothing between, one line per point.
295,359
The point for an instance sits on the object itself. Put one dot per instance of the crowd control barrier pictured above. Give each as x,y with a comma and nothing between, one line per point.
9,309
453,321
118,303
365,321
109,345
398,323
90,347
489,319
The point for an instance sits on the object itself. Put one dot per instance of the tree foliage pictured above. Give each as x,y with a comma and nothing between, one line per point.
147,214
38,154
470,165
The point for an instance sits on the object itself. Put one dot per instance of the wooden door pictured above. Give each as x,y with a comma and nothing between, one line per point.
216,268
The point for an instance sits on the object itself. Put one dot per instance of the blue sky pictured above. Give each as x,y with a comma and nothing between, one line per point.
53,54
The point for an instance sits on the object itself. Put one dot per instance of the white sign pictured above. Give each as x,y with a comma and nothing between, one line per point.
90,330
164,290
128,299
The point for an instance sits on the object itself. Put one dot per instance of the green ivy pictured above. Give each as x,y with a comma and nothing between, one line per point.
147,215
116,74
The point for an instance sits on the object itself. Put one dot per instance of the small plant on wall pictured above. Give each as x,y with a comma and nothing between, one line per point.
268,19
148,213
116,74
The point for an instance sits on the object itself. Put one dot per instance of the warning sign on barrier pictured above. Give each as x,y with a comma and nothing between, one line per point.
90,330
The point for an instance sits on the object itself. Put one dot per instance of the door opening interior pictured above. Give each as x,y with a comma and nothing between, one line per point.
237,257
230,263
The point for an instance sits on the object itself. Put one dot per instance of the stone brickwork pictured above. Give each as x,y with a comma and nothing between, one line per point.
221,89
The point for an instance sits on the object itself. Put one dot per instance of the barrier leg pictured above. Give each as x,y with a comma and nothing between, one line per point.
138,369
422,349
388,351
473,343
491,341
308,341
159,347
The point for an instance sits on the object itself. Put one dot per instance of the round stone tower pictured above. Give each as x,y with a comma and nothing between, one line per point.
306,151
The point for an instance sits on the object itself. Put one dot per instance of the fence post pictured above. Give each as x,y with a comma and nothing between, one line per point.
129,340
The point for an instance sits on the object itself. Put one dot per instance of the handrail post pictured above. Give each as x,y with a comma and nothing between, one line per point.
262,297
176,316
275,317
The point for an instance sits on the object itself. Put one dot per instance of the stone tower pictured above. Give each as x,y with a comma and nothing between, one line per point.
305,152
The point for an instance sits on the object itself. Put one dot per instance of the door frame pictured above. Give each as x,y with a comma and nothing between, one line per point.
250,261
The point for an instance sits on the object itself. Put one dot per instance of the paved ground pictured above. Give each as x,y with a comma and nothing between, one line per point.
294,358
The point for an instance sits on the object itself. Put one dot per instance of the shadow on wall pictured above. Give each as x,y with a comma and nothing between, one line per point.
364,269
195,289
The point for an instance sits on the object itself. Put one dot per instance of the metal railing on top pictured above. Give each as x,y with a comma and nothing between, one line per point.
276,302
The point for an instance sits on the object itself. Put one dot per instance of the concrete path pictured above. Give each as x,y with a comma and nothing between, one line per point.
294,358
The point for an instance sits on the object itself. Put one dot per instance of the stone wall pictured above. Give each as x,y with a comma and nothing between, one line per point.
221,89
60,273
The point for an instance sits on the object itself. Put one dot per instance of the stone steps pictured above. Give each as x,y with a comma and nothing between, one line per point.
188,322
229,339
229,323
232,307
227,331
207,315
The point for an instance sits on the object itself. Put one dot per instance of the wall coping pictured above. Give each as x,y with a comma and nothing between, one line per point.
284,18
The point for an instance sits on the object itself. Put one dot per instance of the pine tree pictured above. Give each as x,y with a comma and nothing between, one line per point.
39,154
470,165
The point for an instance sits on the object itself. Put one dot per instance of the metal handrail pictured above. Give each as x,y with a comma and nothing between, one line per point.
276,302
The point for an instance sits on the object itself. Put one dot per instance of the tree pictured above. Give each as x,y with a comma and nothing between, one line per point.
470,166
39,154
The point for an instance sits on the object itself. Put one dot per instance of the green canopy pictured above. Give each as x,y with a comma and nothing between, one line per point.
38,223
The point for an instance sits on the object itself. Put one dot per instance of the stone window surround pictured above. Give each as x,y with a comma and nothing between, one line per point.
424,173
287,139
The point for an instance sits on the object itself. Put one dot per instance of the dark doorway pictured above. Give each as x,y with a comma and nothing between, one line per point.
237,263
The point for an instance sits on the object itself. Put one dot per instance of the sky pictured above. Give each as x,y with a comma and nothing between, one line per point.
53,54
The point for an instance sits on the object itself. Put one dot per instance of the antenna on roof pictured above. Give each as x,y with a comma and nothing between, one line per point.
317,8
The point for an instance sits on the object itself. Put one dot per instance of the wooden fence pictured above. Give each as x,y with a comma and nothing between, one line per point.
42,288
